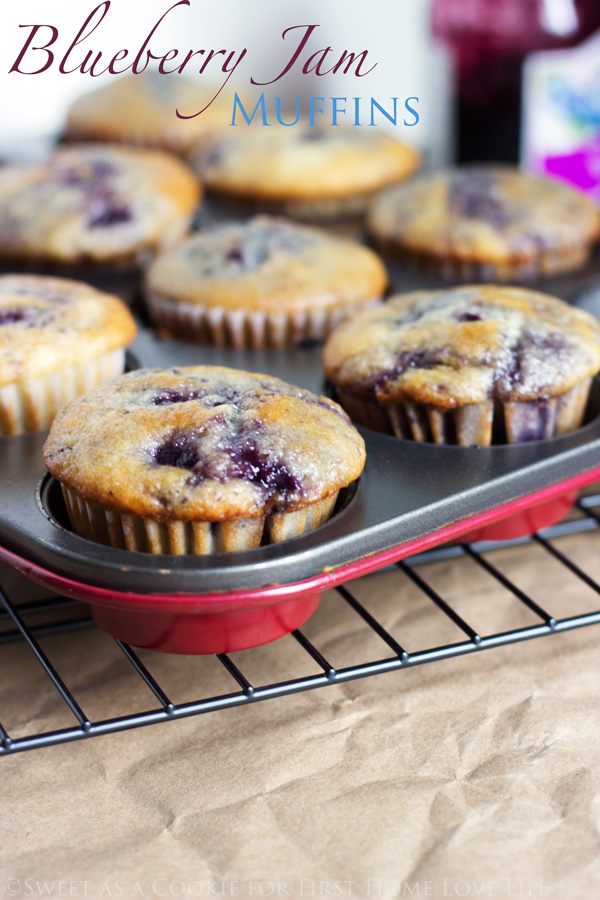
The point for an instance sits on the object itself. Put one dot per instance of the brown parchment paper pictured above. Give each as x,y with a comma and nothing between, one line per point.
475,777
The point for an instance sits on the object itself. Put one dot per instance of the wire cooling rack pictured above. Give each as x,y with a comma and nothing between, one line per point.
14,615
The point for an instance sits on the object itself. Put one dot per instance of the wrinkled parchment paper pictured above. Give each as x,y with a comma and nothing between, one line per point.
477,776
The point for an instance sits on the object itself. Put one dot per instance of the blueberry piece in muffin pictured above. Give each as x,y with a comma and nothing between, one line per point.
265,282
201,460
470,366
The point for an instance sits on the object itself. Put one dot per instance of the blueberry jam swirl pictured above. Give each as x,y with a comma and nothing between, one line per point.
205,444
21,314
416,359
530,360
241,455
242,249
178,451
502,349
106,211
232,444
166,397
476,194
15,300
87,176
527,364
93,179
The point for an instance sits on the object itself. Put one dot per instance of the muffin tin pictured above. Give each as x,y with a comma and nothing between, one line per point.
409,498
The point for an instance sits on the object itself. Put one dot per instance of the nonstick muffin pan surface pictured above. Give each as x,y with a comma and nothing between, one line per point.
411,496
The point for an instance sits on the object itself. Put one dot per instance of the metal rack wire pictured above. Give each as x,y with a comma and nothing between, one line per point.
14,615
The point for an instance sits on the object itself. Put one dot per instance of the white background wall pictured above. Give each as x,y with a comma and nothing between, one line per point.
395,32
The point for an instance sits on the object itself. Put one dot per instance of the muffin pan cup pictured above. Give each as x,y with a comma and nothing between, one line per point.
130,532
473,424
410,497
240,328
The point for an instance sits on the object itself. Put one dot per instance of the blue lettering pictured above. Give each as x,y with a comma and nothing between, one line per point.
389,117
280,120
313,110
237,103
335,111
412,111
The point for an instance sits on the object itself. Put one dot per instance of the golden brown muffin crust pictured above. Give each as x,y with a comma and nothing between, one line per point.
461,346
49,324
95,204
485,214
304,163
203,443
141,109
267,264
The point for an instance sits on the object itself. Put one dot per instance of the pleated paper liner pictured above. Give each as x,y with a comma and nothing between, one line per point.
132,532
32,403
242,328
480,425
475,425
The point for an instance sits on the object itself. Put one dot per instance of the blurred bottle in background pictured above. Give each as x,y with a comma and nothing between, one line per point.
491,42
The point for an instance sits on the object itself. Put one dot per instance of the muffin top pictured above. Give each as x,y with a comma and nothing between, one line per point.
47,324
304,162
484,214
203,443
141,109
267,264
94,203
464,345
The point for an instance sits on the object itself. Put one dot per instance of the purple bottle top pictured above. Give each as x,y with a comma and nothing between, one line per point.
489,42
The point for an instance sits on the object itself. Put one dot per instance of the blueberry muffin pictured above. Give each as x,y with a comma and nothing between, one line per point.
201,460
491,222
305,171
265,282
94,205
141,109
58,339
470,366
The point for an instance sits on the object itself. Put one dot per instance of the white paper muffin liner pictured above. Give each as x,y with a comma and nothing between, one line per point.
132,532
242,328
475,425
32,403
